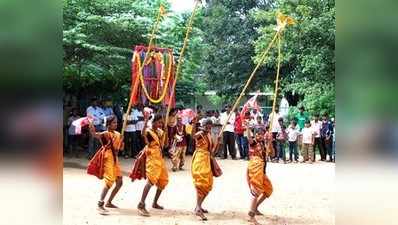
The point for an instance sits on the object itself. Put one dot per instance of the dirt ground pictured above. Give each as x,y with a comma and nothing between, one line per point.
303,194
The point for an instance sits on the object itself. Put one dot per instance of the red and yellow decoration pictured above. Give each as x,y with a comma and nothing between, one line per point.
153,82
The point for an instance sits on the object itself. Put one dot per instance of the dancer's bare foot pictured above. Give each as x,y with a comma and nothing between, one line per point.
110,205
200,214
101,209
156,206
142,210
258,213
204,210
253,221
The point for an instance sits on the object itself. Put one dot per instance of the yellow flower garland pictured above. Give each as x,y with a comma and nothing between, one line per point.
164,91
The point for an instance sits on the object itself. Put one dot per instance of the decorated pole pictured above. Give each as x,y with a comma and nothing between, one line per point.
276,83
135,87
180,62
247,83
282,21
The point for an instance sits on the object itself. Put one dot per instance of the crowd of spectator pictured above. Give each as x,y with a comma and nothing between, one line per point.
294,140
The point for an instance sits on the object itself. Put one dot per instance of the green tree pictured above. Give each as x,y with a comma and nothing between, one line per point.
308,47
98,40
189,82
230,32
99,36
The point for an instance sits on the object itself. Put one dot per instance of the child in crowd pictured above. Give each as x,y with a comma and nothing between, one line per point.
247,127
240,120
293,134
259,124
281,138
308,142
316,124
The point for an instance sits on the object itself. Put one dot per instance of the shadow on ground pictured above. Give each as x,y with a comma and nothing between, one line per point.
213,217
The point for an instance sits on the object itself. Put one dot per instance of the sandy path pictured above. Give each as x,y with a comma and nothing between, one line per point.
303,194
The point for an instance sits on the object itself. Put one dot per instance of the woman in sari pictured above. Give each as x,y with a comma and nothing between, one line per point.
106,157
201,167
259,184
155,169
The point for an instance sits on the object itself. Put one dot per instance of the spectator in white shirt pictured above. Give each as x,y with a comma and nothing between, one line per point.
292,136
228,133
308,142
138,139
98,115
316,124
274,116
129,134
255,114
273,121
284,107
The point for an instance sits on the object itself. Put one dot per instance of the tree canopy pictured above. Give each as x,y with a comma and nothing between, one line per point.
99,37
227,39
308,50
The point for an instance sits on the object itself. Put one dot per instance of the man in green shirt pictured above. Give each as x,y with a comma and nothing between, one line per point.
301,117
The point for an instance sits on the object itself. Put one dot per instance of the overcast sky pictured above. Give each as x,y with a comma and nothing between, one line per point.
182,5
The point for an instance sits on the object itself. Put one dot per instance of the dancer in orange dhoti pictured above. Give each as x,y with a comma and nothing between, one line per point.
201,168
155,170
106,157
260,185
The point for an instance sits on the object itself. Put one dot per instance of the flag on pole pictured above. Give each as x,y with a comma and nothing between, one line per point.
162,10
283,20
250,104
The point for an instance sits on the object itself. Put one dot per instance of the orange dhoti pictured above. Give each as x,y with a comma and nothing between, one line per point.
111,168
201,172
257,179
156,170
